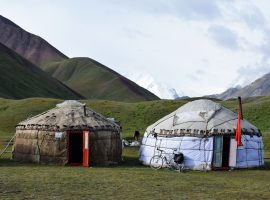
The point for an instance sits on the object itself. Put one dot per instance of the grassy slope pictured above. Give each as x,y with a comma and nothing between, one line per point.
95,81
132,115
21,79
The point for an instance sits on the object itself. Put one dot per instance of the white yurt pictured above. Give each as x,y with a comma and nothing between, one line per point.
204,131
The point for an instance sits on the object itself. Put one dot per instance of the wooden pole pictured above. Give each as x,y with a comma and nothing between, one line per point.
84,110
240,107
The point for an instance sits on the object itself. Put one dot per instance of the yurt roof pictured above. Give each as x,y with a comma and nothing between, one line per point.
67,115
201,117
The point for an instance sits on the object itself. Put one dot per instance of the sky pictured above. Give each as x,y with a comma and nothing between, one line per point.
198,47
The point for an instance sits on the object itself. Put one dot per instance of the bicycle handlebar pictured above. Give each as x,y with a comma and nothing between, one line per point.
174,150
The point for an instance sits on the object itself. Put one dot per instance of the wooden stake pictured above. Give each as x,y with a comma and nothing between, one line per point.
240,107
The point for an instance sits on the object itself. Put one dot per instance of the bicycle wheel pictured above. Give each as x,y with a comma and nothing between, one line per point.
173,165
156,162
176,166
181,167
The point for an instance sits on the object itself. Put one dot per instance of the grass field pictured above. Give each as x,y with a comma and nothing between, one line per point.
133,116
129,180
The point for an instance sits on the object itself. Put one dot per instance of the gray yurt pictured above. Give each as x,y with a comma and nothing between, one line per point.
204,131
71,134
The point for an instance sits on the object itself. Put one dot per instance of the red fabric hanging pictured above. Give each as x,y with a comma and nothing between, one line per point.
238,130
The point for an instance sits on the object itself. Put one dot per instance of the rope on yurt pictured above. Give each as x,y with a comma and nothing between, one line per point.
38,147
246,141
261,150
204,166
156,145
260,153
8,144
32,117
164,119
180,143
148,134
259,159
204,156
206,163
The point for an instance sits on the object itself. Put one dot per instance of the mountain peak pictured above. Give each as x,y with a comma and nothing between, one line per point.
162,90
30,46
259,87
8,22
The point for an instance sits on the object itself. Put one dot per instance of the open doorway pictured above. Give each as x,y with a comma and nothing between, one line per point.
221,152
226,151
75,139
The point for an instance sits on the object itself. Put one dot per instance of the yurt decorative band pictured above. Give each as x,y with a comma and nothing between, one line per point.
203,133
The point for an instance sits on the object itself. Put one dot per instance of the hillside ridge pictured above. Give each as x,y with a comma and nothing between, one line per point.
21,79
32,47
259,87
96,81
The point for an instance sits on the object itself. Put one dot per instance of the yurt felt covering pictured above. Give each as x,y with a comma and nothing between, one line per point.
44,138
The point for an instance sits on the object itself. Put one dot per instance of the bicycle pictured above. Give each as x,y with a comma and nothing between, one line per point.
177,160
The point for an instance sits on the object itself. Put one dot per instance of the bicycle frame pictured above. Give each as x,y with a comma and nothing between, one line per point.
157,161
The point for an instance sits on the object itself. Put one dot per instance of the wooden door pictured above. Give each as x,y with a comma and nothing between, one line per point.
217,159
233,153
86,148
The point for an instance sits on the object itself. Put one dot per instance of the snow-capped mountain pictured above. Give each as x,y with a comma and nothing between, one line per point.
162,90
259,87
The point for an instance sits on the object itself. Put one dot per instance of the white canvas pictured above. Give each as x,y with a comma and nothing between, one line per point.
197,152
208,118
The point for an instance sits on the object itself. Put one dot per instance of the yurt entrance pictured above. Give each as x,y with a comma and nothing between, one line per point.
221,152
78,142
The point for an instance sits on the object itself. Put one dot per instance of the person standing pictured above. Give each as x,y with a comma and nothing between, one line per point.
136,135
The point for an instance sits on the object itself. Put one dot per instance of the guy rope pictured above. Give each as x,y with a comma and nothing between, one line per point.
5,150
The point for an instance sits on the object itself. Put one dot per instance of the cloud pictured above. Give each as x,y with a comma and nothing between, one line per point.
250,73
134,33
224,37
264,47
188,10
200,72
193,77
197,9
254,18
251,15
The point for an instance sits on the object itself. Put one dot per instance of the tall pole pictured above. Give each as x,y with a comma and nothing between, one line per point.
240,107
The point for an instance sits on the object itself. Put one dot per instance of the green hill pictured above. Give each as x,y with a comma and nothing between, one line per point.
85,76
132,115
96,81
21,79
